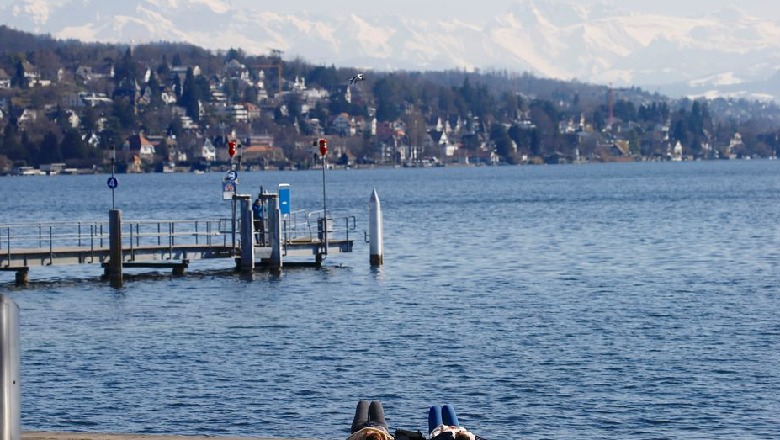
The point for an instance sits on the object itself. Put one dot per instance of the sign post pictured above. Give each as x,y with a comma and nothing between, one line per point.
112,182
323,143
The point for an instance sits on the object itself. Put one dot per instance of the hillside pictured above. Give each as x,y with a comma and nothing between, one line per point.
70,100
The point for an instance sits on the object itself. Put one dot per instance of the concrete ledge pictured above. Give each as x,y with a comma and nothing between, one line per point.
32,435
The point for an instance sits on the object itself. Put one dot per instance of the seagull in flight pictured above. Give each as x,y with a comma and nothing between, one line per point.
356,79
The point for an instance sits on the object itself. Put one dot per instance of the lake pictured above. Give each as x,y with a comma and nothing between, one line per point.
635,301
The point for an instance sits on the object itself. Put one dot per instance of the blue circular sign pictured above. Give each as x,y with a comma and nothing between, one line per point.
112,182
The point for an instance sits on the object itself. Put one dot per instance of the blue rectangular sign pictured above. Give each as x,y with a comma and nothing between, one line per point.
284,198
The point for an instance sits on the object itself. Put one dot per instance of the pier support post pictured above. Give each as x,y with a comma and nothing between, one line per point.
23,276
115,248
247,234
10,398
375,230
275,231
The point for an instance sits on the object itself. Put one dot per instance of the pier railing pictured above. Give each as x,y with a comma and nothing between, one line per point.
93,237
304,225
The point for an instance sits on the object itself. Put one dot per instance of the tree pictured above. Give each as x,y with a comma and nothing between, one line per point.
192,95
29,151
521,135
155,100
163,69
18,79
12,146
535,144
388,93
163,150
73,147
124,112
500,136
326,77
50,149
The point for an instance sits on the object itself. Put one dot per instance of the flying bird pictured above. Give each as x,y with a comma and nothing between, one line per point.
356,79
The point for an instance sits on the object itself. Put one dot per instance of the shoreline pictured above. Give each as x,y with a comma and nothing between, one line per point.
44,435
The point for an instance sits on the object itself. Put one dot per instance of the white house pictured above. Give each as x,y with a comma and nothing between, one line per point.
137,144
5,80
208,152
237,112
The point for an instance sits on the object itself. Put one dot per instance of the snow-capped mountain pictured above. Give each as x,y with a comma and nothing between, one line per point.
725,51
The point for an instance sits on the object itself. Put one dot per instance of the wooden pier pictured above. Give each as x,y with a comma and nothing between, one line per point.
119,244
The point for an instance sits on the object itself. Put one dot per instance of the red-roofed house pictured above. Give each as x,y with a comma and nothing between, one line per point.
262,154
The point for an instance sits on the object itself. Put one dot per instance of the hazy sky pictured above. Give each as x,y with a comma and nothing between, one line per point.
488,8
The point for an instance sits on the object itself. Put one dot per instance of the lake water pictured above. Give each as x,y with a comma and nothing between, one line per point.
635,301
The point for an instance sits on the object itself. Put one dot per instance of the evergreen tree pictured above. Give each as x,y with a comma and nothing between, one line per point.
89,119
500,136
388,94
164,69
50,149
326,77
124,112
18,79
12,146
72,146
190,97
29,150
155,100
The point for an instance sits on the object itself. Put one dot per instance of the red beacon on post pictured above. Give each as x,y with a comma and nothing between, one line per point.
323,147
232,148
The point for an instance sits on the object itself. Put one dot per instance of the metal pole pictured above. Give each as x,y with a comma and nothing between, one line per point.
233,225
275,232
324,196
10,405
247,235
115,247
324,211
113,161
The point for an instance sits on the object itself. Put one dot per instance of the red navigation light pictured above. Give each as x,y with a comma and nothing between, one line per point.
232,148
323,146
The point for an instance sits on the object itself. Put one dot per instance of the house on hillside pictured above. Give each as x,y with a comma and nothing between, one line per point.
237,112
90,73
27,116
72,118
138,145
208,152
343,125
31,73
5,80
263,154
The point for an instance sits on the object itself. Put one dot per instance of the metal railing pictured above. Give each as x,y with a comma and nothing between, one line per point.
93,236
303,225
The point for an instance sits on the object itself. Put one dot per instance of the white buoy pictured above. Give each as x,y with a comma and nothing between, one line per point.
376,250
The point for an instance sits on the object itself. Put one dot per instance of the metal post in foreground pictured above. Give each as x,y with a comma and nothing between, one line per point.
115,248
275,231
375,232
247,233
10,428
324,237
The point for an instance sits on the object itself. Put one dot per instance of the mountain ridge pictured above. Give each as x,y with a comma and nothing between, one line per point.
599,44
